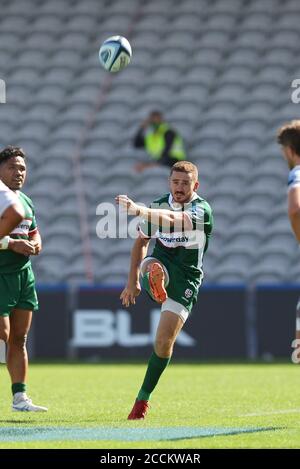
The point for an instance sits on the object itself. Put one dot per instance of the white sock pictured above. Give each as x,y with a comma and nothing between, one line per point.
19,396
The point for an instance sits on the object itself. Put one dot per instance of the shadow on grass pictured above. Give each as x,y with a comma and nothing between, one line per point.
224,432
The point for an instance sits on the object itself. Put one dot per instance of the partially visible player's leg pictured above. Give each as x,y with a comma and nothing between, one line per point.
4,328
5,308
169,326
155,278
296,353
4,335
17,360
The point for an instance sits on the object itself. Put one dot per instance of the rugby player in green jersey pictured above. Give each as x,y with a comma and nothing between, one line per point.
181,221
18,296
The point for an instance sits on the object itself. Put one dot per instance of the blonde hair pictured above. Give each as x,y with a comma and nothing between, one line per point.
185,167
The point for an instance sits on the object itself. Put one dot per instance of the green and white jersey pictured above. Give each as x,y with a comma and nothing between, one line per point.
182,246
11,261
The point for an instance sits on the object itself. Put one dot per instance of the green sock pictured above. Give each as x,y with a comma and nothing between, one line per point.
18,387
156,366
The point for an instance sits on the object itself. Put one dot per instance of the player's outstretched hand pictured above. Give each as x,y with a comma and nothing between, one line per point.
126,203
129,294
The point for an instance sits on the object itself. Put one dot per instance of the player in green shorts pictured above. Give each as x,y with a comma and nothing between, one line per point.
181,222
18,296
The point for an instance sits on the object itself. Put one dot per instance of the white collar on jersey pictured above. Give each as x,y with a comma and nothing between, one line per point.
176,205
295,169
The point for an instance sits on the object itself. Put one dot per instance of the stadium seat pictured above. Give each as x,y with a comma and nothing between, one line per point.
215,38
152,22
41,40
55,7
66,58
255,38
192,6
243,56
259,6
230,6
257,21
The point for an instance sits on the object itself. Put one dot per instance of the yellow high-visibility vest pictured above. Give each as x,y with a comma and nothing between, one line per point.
155,143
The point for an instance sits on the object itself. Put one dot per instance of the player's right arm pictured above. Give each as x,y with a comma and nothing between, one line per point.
294,201
10,218
156,217
133,288
11,213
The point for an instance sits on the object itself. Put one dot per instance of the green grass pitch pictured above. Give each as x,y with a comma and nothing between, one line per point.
194,406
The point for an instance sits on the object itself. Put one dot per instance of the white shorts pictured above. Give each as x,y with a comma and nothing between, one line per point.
176,308
169,304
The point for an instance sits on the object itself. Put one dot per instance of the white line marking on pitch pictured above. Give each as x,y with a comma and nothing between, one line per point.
273,412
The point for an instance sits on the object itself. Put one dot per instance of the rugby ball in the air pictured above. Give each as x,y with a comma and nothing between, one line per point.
115,53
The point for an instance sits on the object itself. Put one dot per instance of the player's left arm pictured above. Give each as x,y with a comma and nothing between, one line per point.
294,210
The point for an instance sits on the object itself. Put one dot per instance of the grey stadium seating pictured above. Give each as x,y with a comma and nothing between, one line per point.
220,70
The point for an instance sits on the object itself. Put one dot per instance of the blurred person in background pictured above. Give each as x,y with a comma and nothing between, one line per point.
18,296
289,138
162,143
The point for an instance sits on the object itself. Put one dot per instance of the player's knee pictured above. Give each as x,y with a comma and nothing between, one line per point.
163,347
18,340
